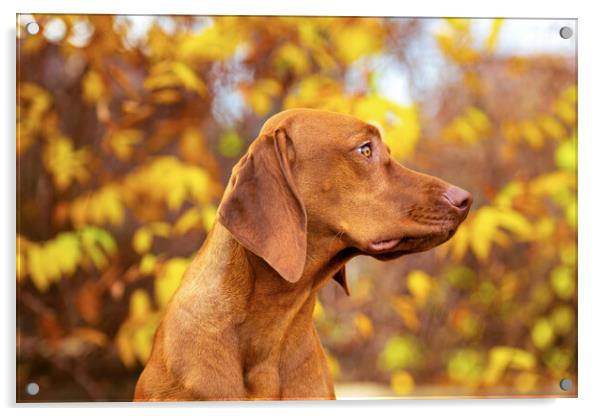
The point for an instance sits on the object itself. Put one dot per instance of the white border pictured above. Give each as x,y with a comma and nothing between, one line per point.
590,89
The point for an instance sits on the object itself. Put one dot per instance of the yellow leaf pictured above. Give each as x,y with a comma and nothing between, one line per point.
261,94
568,254
140,305
38,98
570,94
490,42
166,96
544,228
124,346
67,254
402,383
93,87
483,229
172,182
566,155
176,197
35,265
515,222
525,382
511,131
121,142
420,285
460,242
461,25
318,311
356,40
142,240
217,42
542,333
142,341
404,306
532,134
159,43
168,74
161,77
508,193
291,56
550,183
465,130
98,207
50,252
65,163
479,120
147,264
566,110
401,124
570,214
91,335
551,127
563,319
190,220
20,264
522,360
363,324
161,229
454,41
318,91
169,279
209,215
563,282
189,78
192,142
333,365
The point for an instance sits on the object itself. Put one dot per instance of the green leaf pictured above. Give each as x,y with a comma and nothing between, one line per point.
462,277
230,144
400,352
465,366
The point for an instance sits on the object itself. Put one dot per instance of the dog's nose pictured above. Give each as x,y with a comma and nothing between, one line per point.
458,198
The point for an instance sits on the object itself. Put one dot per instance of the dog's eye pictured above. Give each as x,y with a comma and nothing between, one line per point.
366,150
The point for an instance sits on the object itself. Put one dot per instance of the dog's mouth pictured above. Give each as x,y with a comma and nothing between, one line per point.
383,245
385,249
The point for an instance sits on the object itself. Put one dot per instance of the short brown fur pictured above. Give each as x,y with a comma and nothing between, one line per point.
304,200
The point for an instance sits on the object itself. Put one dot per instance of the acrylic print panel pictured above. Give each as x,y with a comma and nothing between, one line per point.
128,128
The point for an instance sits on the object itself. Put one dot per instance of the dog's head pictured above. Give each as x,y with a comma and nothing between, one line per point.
315,172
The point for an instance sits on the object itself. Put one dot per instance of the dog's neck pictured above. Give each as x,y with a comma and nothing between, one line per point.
231,289
251,284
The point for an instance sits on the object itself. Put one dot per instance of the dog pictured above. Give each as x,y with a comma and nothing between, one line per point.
314,189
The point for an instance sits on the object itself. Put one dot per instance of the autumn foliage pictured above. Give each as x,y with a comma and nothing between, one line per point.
126,139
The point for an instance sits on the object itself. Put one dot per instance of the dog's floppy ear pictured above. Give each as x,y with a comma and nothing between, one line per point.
262,209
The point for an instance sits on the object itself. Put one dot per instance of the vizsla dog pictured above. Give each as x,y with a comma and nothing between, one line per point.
315,189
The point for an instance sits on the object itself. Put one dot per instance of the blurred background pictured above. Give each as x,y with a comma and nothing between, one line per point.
128,127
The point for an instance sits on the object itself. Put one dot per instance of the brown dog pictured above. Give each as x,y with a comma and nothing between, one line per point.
314,190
